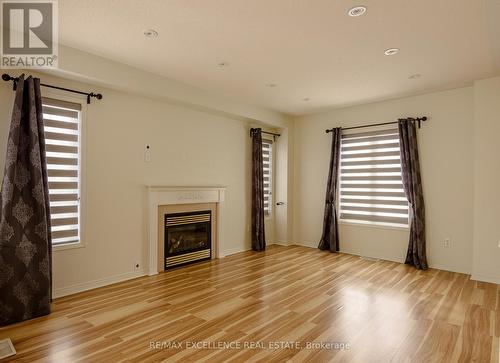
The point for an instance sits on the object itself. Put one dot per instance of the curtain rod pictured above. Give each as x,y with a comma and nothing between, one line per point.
418,119
6,77
264,132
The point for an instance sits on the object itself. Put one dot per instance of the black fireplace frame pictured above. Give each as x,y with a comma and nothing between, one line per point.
165,241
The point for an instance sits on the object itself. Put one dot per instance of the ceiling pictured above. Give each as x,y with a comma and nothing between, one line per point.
307,48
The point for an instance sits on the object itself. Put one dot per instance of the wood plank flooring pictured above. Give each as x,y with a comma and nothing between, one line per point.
267,307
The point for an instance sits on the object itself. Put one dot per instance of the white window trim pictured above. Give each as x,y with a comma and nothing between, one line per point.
270,215
64,96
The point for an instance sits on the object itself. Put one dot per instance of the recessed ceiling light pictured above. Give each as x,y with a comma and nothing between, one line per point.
391,51
223,64
357,11
150,33
415,76
271,85
306,99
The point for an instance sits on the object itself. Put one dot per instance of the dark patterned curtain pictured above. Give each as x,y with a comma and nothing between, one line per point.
258,235
410,169
330,237
25,241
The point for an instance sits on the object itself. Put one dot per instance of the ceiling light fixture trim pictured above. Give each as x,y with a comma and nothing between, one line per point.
391,51
356,11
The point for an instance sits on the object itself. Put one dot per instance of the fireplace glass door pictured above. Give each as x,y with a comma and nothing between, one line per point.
187,237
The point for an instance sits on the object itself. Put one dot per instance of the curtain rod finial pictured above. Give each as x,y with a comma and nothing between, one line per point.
420,119
6,77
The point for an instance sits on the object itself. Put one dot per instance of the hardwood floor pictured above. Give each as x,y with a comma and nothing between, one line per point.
287,296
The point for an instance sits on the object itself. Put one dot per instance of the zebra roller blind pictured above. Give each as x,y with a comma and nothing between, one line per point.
371,187
62,137
267,155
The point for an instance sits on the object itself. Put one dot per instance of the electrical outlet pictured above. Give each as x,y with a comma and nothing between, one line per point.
447,243
137,265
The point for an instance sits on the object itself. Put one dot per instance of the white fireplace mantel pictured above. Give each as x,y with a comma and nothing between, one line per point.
159,195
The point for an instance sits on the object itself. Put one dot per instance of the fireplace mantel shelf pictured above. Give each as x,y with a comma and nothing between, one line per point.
159,195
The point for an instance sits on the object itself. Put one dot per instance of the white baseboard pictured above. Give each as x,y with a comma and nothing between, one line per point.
89,285
460,270
280,243
232,251
398,259
306,244
485,278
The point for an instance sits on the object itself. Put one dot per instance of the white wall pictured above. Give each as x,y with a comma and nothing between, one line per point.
486,255
188,147
446,149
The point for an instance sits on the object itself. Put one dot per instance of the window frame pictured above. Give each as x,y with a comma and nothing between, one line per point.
271,176
63,96
366,224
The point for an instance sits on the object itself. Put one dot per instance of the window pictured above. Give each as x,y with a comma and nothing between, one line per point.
267,154
371,187
62,139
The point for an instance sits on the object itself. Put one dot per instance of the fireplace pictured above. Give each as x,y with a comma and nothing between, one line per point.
168,200
188,237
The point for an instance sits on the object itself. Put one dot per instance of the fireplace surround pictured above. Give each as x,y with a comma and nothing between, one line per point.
165,200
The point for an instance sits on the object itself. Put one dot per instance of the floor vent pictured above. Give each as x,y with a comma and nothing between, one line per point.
6,348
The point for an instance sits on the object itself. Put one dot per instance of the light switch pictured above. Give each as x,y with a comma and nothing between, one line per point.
147,154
